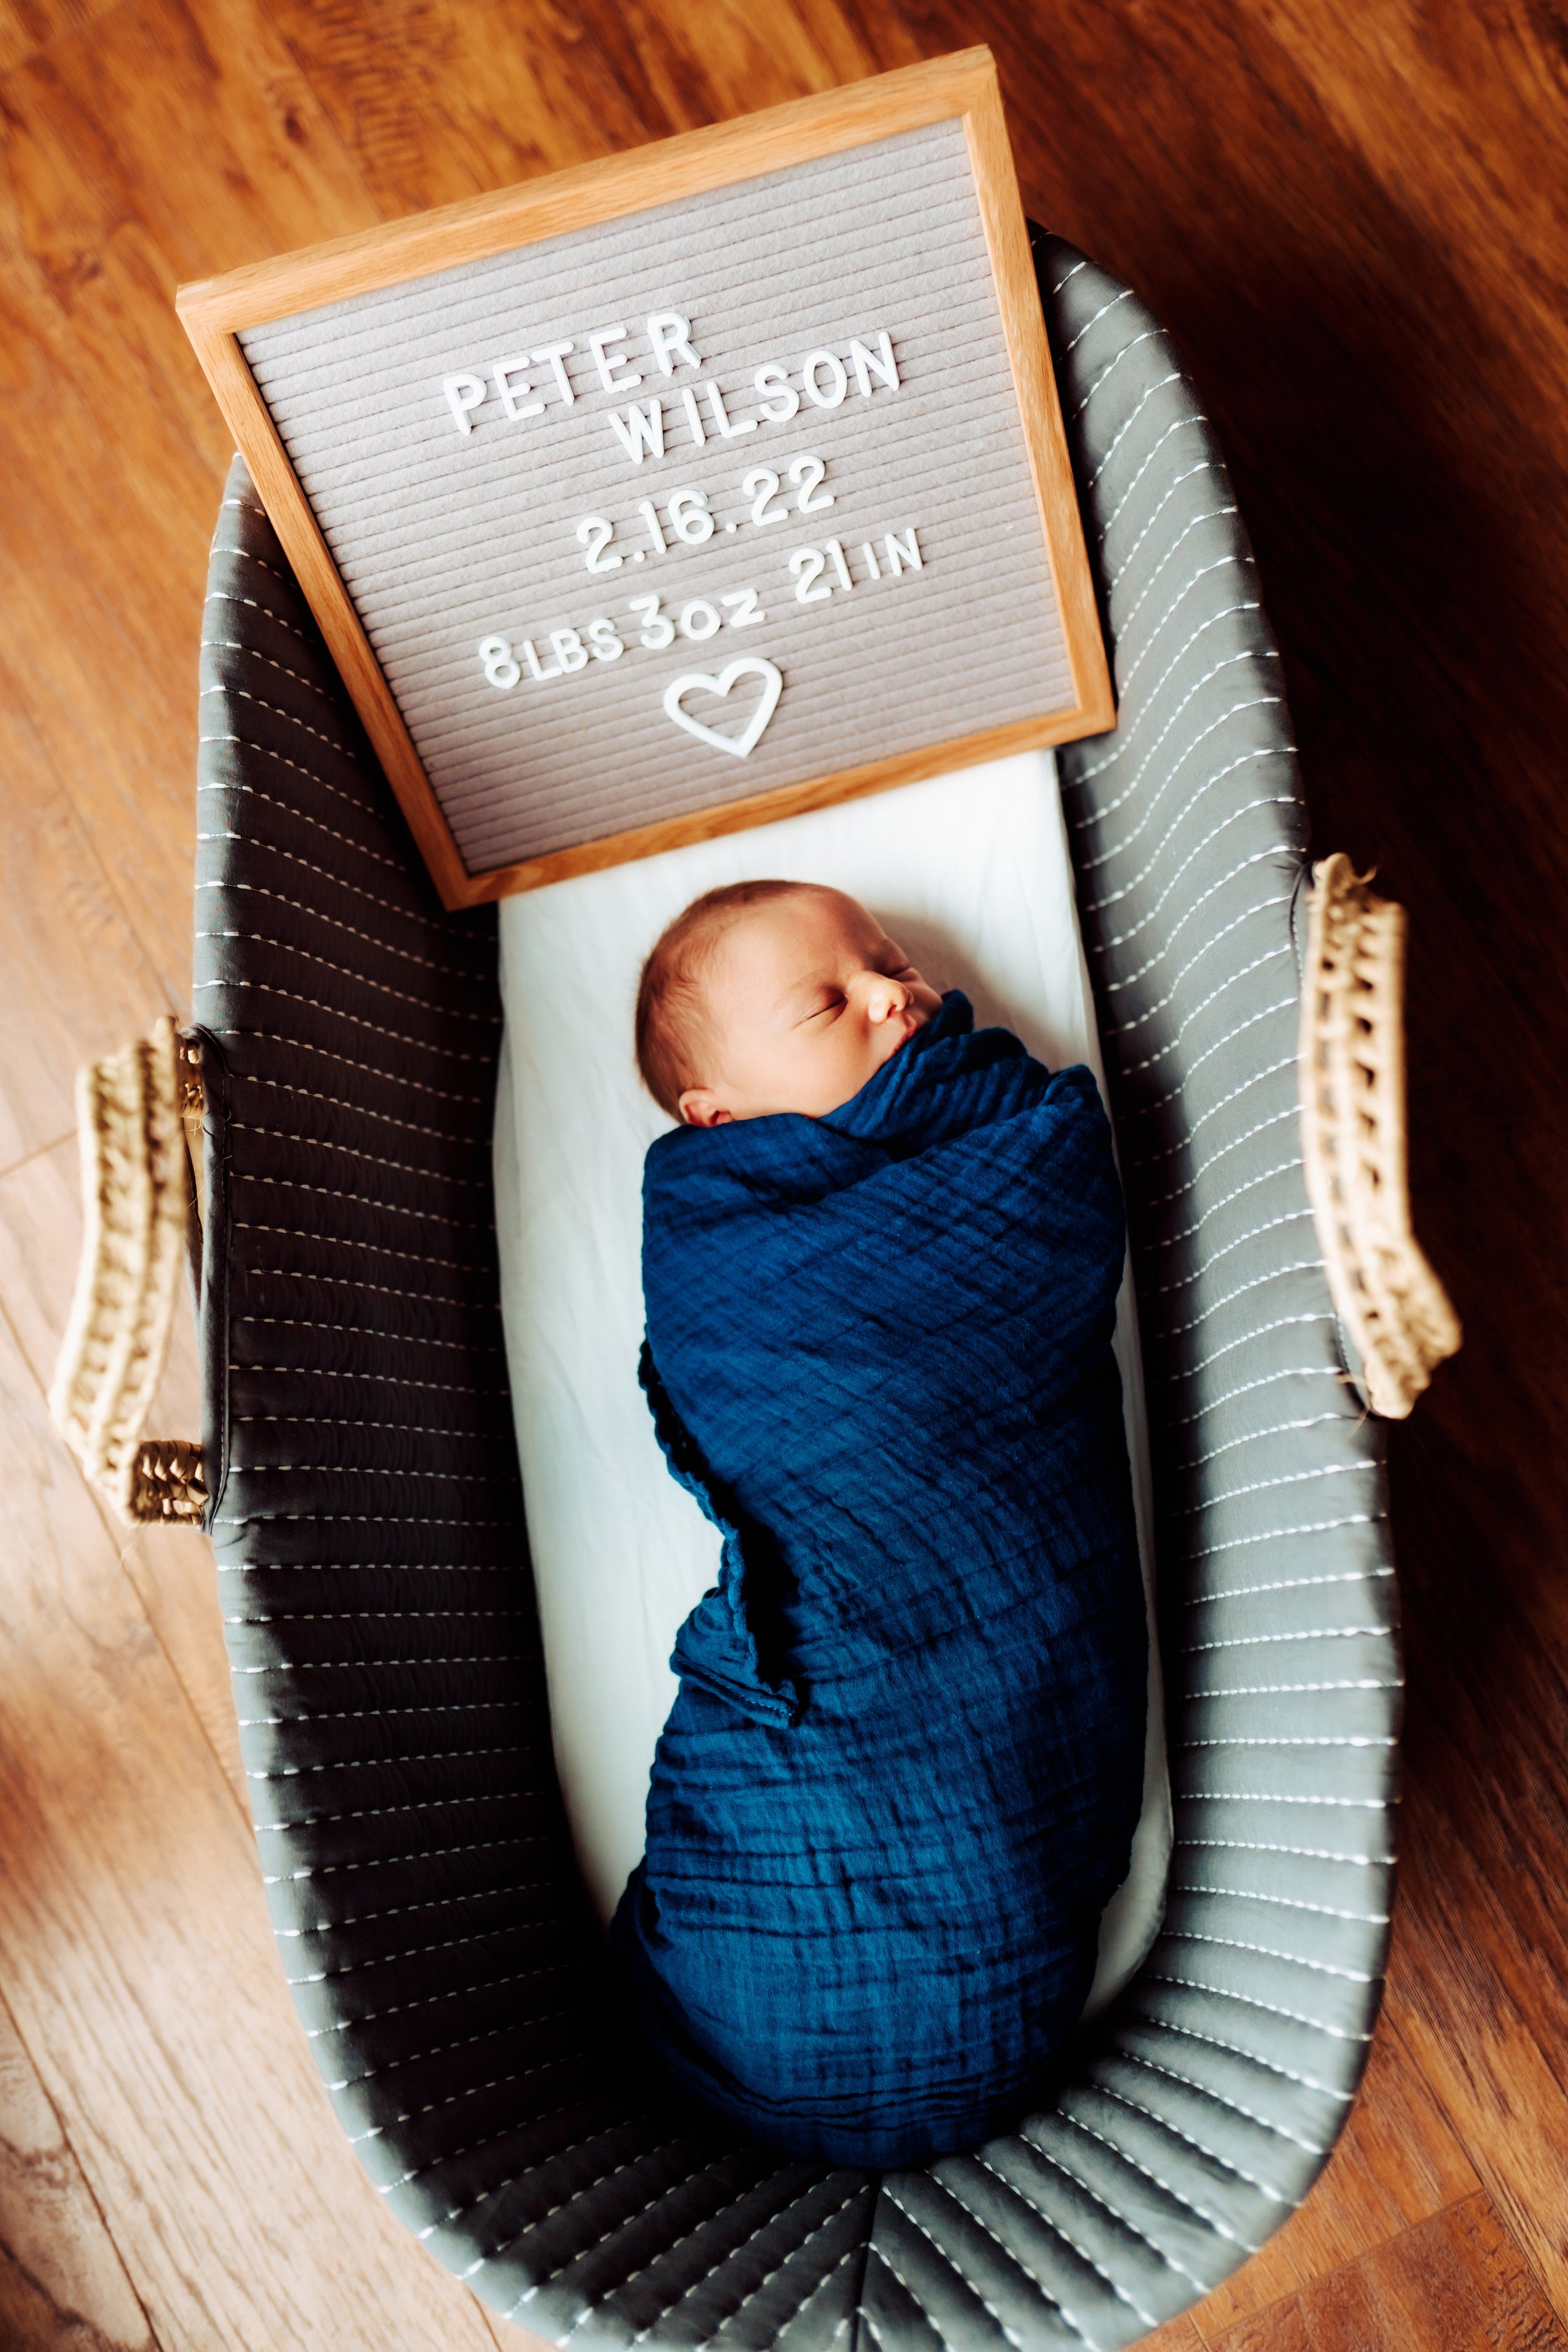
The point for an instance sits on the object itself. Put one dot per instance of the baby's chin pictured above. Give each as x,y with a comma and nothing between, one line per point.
905,1025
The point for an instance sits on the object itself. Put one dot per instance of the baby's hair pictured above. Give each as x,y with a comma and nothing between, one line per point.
669,995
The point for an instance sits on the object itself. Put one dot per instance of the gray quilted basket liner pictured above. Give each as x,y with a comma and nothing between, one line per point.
370,1541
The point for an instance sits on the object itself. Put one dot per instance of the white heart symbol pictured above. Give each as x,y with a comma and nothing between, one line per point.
747,666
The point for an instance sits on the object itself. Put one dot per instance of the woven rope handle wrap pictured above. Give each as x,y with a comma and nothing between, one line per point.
1352,1134
135,1199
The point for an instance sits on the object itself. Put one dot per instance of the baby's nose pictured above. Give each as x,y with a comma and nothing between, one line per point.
885,997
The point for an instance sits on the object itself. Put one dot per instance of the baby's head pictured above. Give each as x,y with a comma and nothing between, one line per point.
772,996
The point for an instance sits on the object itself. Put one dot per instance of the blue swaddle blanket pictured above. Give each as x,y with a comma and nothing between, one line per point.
902,1775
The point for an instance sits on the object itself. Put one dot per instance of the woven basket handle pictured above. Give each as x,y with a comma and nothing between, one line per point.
1390,1303
133,1110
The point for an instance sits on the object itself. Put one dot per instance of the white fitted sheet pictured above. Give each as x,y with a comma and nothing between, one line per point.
971,873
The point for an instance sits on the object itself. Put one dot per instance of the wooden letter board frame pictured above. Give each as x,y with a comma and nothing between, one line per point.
964,87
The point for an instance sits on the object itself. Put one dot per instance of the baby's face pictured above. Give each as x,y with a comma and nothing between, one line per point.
806,997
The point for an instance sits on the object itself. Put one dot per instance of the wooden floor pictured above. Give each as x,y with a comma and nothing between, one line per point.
1355,217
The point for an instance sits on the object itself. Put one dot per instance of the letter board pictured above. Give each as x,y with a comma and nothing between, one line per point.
682,490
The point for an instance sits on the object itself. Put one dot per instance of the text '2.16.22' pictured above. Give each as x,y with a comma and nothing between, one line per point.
688,516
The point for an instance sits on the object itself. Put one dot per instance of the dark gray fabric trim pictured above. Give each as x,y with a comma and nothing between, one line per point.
369,1534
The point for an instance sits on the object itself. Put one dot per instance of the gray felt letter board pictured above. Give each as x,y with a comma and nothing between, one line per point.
682,490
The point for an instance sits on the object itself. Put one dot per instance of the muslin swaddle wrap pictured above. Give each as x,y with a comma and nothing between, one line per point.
902,1771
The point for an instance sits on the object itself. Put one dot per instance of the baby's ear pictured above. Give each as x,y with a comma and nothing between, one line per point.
700,1106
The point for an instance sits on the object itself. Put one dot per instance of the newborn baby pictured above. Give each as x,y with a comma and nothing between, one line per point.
900,1777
